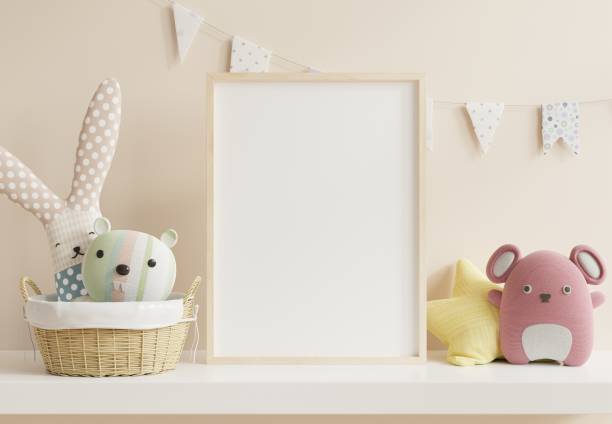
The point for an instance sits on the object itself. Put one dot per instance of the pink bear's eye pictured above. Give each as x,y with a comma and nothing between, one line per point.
567,289
527,288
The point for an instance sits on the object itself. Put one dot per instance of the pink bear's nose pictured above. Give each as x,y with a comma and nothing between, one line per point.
545,297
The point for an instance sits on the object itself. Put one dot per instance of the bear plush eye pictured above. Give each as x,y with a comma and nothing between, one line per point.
57,244
100,253
567,289
151,263
527,288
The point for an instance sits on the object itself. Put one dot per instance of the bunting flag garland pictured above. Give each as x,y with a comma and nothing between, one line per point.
248,57
485,119
429,141
186,24
561,121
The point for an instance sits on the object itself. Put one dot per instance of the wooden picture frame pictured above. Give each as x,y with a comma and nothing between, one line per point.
233,132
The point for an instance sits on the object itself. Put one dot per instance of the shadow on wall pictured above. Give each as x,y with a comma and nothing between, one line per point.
439,286
167,25
439,283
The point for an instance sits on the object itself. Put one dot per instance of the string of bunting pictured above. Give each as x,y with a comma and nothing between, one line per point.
560,121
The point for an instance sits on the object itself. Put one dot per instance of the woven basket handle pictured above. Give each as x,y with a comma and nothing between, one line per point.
190,294
23,288
189,297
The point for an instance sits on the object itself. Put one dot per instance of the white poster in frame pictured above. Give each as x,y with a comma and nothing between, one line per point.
314,226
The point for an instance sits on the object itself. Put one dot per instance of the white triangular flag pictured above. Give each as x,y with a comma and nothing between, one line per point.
248,57
485,119
186,24
561,120
429,140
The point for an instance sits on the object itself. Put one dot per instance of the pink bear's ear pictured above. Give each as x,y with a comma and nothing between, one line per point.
501,263
590,264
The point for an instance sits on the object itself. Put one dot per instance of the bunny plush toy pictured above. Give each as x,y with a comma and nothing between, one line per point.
546,308
69,223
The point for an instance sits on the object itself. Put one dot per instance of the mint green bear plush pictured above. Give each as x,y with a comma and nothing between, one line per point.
123,265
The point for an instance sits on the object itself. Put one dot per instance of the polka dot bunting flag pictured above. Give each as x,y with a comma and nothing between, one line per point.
561,121
485,119
248,57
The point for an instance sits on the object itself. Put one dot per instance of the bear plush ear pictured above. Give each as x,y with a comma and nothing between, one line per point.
501,263
102,225
589,263
169,238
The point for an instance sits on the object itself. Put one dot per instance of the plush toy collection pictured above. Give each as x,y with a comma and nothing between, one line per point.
68,222
544,311
545,308
135,266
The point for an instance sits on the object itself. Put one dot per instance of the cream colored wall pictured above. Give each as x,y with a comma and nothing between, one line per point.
53,53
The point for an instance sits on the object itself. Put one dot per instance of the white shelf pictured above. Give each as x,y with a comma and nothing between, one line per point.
432,388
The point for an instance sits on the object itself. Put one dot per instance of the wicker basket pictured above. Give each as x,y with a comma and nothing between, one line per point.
100,352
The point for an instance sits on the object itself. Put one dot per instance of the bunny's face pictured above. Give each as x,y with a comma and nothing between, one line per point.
69,237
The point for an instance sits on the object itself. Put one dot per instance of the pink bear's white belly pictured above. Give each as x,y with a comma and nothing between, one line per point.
547,341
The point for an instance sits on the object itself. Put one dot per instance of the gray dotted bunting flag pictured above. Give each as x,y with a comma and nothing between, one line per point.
248,57
485,118
561,121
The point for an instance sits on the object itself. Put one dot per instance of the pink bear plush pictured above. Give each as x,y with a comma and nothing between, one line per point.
546,309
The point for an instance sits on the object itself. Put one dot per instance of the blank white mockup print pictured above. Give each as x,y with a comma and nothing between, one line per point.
315,220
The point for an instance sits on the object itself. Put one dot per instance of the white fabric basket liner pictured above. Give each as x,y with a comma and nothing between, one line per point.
44,311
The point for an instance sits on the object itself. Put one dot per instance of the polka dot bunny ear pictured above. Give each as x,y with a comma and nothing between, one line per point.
20,184
97,144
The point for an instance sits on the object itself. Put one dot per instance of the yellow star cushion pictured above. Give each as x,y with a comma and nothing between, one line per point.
467,323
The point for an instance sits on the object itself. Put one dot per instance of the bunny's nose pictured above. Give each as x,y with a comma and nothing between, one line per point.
122,269
545,297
